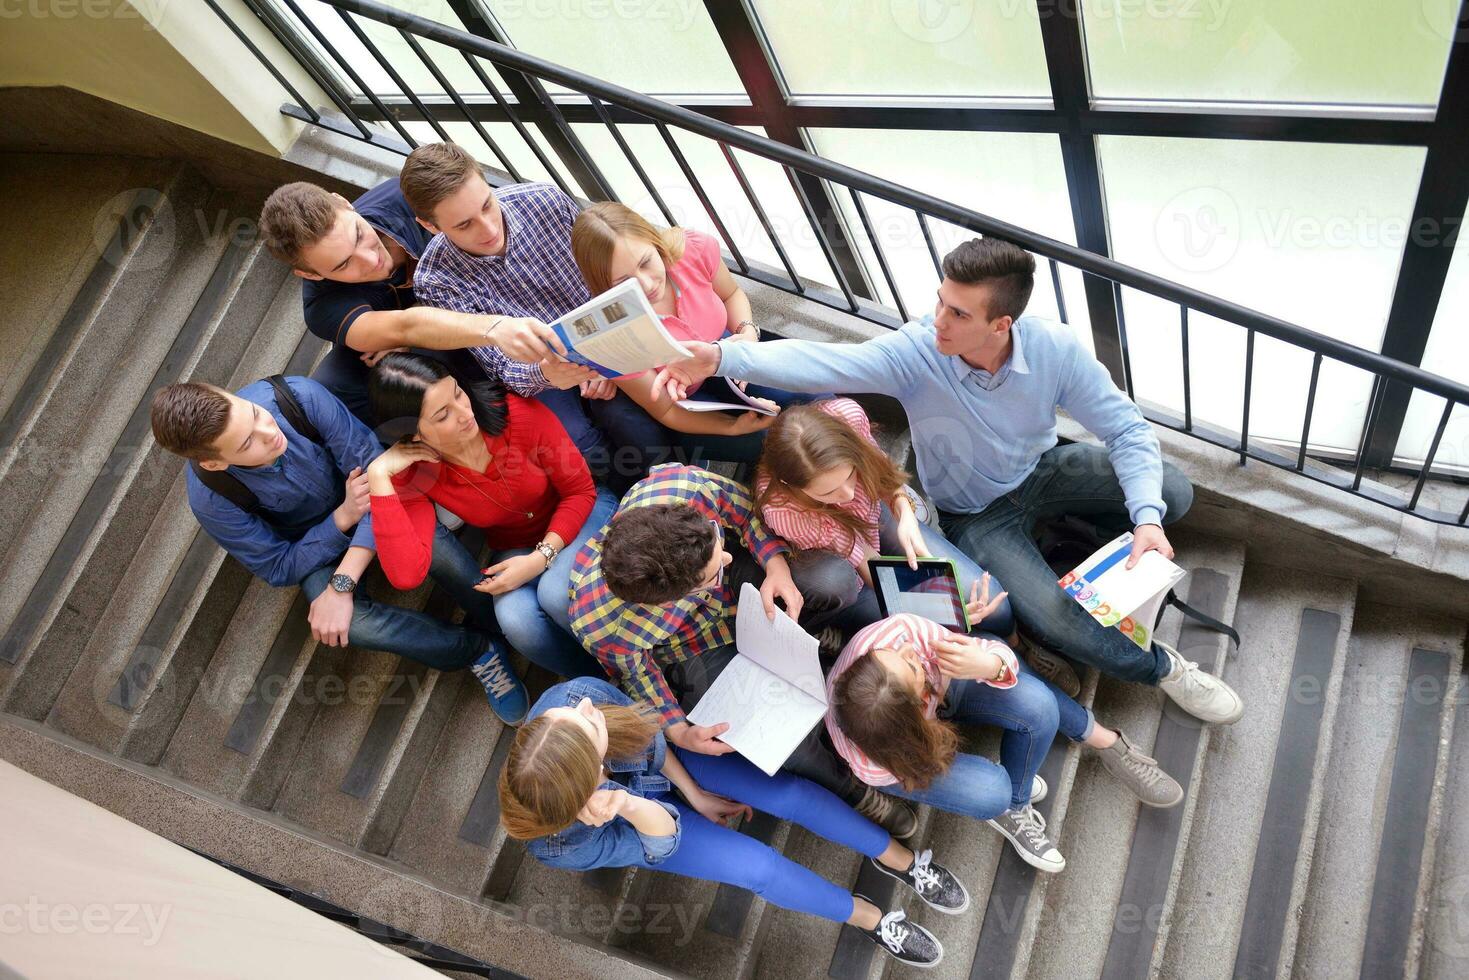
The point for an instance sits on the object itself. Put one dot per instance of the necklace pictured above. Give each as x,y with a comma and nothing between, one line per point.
499,474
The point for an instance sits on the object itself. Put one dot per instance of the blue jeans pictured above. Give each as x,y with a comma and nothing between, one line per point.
835,595
535,618
415,635
1076,480
1029,715
715,853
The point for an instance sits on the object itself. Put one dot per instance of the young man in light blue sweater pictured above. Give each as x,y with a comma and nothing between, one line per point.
981,384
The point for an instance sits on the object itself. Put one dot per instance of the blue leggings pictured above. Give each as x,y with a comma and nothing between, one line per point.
712,852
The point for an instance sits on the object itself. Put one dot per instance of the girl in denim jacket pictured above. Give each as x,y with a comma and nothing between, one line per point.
590,783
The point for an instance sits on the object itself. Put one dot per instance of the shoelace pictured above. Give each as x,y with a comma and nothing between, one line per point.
1144,767
1031,825
892,932
494,676
924,877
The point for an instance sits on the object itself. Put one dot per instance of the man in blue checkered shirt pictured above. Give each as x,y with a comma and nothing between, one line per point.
505,253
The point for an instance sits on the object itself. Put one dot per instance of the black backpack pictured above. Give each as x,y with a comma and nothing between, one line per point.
224,483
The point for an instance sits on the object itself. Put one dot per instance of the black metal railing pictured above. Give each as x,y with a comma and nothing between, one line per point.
533,113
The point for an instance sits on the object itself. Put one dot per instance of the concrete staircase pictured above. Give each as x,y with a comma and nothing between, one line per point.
1322,836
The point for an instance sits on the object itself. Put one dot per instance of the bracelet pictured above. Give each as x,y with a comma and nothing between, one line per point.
751,325
491,329
548,552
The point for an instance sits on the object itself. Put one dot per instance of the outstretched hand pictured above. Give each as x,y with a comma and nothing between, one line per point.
1149,537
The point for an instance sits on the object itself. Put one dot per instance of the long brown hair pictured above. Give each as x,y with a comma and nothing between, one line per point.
553,768
804,442
599,227
885,718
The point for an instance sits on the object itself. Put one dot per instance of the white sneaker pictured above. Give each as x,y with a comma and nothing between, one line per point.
1038,789
1202,695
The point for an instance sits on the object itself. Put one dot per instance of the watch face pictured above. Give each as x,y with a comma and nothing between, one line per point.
343,583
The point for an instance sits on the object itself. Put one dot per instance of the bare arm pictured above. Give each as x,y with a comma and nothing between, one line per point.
640,390
521,339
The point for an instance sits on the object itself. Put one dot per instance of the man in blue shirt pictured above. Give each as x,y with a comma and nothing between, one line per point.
359,260
292,507
981,384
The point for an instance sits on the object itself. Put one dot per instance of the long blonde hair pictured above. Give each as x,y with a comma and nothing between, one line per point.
599,227
553,768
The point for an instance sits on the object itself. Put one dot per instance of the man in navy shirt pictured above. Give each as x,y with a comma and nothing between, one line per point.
358,260
293,509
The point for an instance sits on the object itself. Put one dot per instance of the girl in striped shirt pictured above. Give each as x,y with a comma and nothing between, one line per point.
825,485
900,687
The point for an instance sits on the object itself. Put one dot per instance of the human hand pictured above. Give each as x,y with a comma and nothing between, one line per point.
910,537
703,739
719,809
980,605
779,585
599,389
524,339
356,502
565,374
747,422
967,658
511,574
1149,537
399,456
602,806
330,616
674,379
372,357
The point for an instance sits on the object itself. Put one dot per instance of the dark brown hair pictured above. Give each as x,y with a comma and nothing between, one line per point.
188,419
1004,266
805,441
657,553
433,172
886,720
553,768
295,217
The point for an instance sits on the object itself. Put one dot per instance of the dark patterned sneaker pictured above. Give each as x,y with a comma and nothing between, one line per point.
1025,829
933,883
895,816
907,942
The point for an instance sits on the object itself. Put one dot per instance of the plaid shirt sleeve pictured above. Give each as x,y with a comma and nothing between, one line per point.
523,379
736,509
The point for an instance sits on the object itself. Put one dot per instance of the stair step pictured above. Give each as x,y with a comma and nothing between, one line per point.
107,672
796,944
1445,947
1206,917
1384,805
1102,913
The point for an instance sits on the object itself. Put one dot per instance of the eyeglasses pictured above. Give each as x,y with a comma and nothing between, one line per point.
718,578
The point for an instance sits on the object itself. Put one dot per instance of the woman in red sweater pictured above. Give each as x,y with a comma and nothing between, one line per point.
502,463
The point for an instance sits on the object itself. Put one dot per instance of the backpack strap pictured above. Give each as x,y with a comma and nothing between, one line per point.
225,483
1202,618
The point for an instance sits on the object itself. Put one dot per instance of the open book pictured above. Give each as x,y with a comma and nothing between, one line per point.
746,403
772,693
617,333
1129,599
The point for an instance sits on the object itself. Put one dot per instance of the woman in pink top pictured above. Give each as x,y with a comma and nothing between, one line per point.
825,485
684,277
901,686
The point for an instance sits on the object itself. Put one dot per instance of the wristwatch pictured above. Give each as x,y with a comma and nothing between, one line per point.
548,552
751,325
343,583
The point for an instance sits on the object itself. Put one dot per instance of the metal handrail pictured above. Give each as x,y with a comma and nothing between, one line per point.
602,94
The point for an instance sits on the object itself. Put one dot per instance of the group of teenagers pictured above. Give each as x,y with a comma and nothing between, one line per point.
615,558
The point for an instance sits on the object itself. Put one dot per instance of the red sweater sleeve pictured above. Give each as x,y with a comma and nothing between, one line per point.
565,467
403,524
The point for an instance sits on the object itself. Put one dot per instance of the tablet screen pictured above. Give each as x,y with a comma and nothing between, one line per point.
931,591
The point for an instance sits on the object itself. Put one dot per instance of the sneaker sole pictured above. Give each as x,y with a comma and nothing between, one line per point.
1029,858
937,908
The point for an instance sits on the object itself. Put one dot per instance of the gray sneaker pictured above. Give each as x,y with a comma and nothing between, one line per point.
1051,667
1202,695
1140,774
897,817
1025,829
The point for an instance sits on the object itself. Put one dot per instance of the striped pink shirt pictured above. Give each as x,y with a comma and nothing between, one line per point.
804,528
889,634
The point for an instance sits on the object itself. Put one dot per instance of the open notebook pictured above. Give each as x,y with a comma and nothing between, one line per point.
1129,599
773,693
